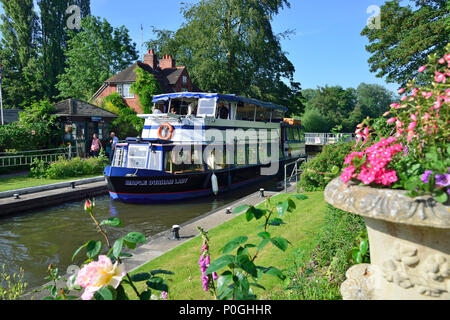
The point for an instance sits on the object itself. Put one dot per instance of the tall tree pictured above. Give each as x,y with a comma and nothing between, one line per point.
53,22
406,37
19,52
373,99
94,54
243,57
55,36
85,7
335,104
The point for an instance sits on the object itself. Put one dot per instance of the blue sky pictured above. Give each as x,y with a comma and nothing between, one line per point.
327,47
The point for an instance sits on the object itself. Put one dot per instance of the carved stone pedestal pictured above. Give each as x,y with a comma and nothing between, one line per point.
409,244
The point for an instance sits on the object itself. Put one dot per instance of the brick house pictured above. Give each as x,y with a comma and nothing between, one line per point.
170,77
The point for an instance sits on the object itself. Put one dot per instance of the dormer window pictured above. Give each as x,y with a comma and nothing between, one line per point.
184,80
124,90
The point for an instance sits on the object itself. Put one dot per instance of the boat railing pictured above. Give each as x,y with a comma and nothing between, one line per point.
292,171
26,158
328,138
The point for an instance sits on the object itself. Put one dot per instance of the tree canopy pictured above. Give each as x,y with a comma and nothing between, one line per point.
243,57
94,54
331,106
406,37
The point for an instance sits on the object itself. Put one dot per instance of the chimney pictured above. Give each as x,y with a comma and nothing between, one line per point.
151,59
167,62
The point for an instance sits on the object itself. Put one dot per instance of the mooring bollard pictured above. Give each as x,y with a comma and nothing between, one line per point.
16,196
72,184
228,211
175,232
261,193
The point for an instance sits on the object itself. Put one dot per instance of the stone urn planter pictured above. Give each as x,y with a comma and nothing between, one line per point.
409,244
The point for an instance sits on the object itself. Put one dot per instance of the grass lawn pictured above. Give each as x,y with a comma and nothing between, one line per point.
301,229
21,182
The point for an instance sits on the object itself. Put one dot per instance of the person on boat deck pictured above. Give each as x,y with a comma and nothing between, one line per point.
156,110
223,112
95,146
172,110
114,140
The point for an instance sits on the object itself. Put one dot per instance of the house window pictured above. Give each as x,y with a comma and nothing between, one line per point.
184,89
124,90
184,80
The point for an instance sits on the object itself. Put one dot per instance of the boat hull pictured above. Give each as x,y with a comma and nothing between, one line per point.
148,186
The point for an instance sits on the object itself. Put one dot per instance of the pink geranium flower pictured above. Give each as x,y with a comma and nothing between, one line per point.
422,68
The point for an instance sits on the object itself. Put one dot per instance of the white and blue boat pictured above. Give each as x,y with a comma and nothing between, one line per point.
200,144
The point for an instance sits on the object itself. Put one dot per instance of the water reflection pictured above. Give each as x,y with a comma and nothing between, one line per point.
34,240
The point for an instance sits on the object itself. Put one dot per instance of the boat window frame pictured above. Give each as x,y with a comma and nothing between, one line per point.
130,146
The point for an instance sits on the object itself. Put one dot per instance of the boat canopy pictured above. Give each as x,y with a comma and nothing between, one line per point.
217,96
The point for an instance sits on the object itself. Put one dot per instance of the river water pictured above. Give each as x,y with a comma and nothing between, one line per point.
34,240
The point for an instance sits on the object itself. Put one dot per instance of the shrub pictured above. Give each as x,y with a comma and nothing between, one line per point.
323,167
128,124
317,273
314,121
63,168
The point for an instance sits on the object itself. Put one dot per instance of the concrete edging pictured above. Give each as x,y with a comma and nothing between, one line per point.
60,185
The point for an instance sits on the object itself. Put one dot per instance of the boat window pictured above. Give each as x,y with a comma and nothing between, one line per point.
289,134
119,157
296,135
240,155
246,112
182,161
206,107
154,160
252,153
278,115
223,111
261,113
137,156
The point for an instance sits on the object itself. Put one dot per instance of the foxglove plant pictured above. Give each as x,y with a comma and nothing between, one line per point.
416,155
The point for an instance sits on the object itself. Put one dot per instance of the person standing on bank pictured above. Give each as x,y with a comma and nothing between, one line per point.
95,146
114,141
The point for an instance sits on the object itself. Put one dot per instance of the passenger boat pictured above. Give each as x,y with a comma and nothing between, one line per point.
200,144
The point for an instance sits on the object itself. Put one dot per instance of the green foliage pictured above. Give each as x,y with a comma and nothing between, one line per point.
314,121
11,286
128,124
36,129
406,37
63,168
94,54
317,273
115,254
19,53
328,107
243,57
146,86
360,252
417,129
325,166
242,273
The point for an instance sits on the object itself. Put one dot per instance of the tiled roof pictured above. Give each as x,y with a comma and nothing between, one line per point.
173,74
129,75
74,107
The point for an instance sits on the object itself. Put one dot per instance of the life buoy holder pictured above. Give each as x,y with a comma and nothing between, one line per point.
165,131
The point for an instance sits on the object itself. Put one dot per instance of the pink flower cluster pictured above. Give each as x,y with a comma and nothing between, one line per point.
376,158
204,263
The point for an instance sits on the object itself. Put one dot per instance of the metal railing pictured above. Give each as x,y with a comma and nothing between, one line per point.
295,173
328,138
26,158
